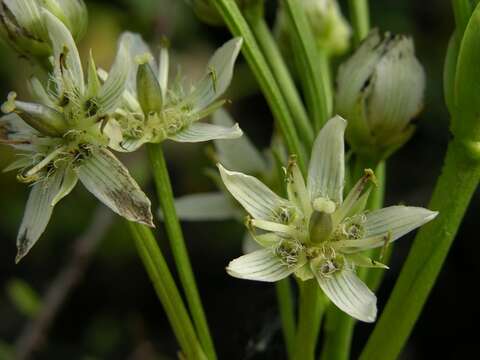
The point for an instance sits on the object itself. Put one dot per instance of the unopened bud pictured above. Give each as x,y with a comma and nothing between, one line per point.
22,24
148,89
379,91
330,29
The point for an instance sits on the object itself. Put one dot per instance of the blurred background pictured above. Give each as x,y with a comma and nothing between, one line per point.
111,311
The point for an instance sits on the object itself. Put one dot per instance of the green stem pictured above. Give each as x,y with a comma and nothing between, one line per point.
280,71
167,291
311,308
462,10
286,306
452,194
232,16
307,59
179,250
339,326
359,15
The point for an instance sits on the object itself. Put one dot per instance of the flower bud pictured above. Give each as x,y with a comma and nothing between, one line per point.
148,89
329,27
22,23
379,91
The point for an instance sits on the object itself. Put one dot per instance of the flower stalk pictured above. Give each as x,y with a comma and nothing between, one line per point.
179,249
315,83
287,314
359,14
454,189
266,42
167,292
237,24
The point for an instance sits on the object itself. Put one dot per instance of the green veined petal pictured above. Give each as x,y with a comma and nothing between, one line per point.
112,90
37,213
198,132
348,293
106,178
69,180
326,172
395,221
261,265
66,58
257,199
218,75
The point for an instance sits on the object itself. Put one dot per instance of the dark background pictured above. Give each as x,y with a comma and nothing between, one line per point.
114,314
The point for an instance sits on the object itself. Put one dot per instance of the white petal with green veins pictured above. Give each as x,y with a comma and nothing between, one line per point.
69,180
261,265
218,75
112,90
349,294
106,178
204,207
138,47
198,132
65,52
37,213
259,201
239,154
326,172
395,221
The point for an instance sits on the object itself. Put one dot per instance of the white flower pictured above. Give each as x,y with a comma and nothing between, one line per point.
153,111
315,232
380,90
63,140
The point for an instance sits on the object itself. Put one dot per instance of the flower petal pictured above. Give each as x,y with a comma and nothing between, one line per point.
259,201
37,213
69,180
111,92
239,154
395,221
218,75
137,47
349,294
260,265
16,132
198,132
66,57
106,178
204,207
327,165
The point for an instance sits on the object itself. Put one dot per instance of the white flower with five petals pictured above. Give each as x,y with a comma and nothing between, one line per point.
153,110
315,232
